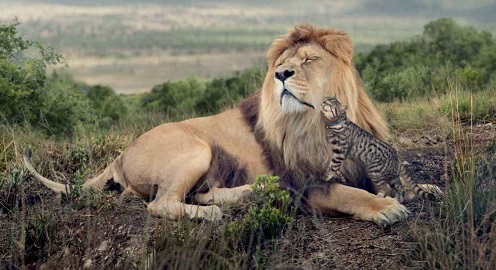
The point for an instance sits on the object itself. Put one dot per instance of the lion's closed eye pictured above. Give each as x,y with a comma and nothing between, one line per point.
309,59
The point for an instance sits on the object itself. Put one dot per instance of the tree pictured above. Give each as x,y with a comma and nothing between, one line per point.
28,96
22,77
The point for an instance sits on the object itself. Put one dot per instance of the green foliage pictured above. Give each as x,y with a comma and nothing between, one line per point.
56,104
267,216
175,98
28,95
22,77
192,96
63,107
108,105
422,65
220,93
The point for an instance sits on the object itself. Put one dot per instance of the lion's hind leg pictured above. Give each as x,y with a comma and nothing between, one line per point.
179,176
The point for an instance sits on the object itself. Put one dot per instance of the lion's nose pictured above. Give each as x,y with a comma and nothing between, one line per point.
284,74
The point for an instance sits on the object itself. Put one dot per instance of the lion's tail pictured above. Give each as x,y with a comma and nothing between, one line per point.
57,187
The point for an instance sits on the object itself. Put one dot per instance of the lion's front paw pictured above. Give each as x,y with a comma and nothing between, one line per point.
383,212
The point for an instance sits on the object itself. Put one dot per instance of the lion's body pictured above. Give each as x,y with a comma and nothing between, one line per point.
168,147
275,131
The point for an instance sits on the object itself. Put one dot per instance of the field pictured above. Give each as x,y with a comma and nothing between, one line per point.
132,47
170,60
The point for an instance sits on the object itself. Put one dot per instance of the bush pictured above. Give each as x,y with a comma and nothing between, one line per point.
55,104
63,107
190,97
108,105
174,97
422,65
221,93
267,216
22,78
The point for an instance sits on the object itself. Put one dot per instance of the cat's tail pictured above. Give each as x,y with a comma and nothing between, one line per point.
423,191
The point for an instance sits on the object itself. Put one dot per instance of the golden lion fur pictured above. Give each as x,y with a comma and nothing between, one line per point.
216,158
346,86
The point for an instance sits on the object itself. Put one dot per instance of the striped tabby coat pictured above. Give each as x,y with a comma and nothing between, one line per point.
381,162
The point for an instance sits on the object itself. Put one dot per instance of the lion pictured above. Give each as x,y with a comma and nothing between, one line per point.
278,130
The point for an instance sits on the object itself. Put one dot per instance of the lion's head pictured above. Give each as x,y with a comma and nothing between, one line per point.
304,66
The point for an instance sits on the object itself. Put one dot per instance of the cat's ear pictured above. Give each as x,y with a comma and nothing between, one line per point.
343,108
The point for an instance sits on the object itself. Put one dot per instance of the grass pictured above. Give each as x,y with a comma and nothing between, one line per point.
96,229
37,226
434,116
460,234
414,118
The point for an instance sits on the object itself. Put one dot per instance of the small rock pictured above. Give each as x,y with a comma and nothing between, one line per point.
103,246
66,251
88,264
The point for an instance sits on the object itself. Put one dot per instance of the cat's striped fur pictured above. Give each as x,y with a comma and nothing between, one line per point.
380,160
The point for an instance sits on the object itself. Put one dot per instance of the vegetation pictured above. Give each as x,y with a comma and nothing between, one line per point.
442,83
190,97
234,244
55,104
424,65
266,217
461,232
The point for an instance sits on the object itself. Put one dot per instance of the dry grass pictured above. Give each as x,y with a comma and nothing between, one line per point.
461,231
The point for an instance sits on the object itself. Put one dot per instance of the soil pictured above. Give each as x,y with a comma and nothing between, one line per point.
114,236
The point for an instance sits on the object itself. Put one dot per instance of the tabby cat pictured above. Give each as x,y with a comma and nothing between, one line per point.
381,162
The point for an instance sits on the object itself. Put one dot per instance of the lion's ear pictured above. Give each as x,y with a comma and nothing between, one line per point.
338,44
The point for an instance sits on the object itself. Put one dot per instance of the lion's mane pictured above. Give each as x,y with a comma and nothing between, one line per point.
294,144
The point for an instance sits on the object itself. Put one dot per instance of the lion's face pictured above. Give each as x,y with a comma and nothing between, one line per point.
301,78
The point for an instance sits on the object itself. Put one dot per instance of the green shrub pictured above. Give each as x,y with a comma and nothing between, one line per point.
422,65
22,77
193,97
267,216
108,105
63,107
410,82
176,98
220,93
28,96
